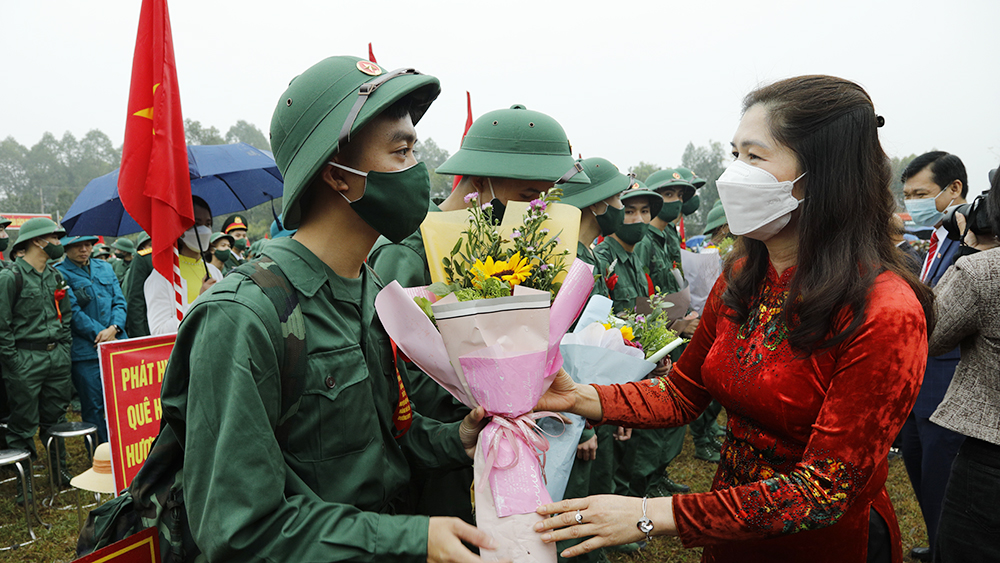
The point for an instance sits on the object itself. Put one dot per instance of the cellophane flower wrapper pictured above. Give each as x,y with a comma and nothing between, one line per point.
592,354
502,354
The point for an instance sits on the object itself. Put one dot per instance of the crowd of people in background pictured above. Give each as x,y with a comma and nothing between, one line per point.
779,472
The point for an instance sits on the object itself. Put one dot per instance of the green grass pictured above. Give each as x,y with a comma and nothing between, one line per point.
58,544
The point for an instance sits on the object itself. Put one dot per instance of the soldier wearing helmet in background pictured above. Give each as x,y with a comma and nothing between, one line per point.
35,315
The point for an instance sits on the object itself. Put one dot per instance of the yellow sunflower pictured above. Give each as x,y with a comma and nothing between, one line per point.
627,333
516,270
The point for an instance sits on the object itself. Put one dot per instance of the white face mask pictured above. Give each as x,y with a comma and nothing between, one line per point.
757,205
197,240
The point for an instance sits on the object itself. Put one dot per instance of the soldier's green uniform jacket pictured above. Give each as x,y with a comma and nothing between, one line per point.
332,493
406,263
32,319
654,252
135,297
231,264
631,281
585,253
121,268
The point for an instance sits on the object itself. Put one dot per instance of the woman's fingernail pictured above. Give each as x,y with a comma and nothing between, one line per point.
546,538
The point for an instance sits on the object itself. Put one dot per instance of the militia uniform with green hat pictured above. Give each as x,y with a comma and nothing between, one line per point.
627,280
234,223
127,248
331,484
509,143
4,241
35,338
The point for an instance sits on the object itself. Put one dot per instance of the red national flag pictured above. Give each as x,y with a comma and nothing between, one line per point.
371,55
154,183
468,124
680,230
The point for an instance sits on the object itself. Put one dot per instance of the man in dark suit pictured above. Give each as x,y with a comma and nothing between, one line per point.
932,183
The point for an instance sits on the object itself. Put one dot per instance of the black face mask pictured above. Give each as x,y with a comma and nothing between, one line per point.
632,233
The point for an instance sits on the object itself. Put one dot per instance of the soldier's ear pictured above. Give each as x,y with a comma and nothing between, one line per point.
333,177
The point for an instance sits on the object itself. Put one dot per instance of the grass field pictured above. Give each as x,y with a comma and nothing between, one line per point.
58,544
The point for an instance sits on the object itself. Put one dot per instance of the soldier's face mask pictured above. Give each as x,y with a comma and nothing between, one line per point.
611,220
53,251
393,203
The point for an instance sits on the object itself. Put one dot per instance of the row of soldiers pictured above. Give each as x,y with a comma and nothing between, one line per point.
60,297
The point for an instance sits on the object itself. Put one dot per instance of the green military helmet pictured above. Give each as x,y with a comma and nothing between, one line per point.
691,205
37,227
605,181
516,143
639,189
4,222
716,218
124,244
101,249
220,235
691,177
66,241
669,177
328,102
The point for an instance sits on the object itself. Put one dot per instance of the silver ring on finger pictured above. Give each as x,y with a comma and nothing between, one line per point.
579,517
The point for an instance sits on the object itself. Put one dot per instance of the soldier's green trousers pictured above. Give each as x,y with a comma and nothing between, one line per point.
704,429
39,392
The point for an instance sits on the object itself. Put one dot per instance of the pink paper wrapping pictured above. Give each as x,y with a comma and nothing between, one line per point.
503,354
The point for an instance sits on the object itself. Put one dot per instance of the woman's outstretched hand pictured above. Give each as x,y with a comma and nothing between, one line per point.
610,519
561,395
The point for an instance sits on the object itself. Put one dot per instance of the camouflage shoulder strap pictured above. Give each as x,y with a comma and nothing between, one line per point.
276,287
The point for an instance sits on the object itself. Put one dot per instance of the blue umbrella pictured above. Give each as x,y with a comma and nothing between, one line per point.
229,177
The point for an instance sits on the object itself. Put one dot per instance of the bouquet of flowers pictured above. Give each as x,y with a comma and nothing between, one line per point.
648,332
488,330
605,349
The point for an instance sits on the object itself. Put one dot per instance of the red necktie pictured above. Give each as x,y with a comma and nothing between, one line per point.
930,257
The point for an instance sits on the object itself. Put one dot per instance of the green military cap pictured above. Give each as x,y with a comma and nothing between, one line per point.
516,143
605,181
324,105
691,177
67,241
101,251
4,222
37,227
669,177
716,218
124,244
691,205
639,189
220,235
234,222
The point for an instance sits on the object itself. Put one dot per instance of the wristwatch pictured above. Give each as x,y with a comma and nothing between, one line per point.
645,525
118,329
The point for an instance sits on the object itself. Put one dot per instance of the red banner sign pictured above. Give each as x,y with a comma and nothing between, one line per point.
132,371
143,547
18,219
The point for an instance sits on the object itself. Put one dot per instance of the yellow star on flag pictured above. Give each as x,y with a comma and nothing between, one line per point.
148,112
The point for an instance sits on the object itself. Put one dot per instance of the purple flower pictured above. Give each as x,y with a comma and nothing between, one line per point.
640,318
557,240
544,231
538,204
543,267
515,234
470,197
487,206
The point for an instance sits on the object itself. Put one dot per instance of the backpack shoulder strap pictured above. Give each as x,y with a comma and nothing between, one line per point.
285,299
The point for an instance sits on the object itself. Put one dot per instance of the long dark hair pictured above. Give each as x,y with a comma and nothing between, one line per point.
844,225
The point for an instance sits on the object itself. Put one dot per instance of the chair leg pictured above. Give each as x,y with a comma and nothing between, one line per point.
24,491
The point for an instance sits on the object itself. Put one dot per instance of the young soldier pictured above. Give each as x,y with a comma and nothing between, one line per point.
4,240
508,155
125,252
4,264
35,315
326,478
627,279
98,315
